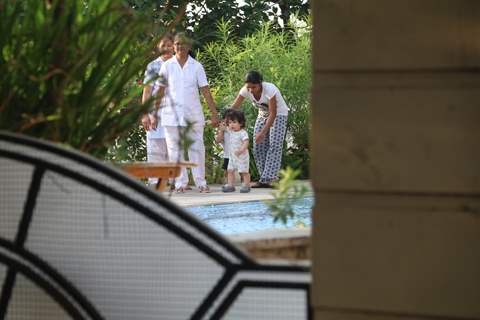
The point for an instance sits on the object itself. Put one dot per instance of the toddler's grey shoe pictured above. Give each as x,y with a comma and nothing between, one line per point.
228,188
244,189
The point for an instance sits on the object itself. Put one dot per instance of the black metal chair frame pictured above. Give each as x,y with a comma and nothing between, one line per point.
19,260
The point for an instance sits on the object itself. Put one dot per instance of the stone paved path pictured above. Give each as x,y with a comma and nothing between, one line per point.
216,196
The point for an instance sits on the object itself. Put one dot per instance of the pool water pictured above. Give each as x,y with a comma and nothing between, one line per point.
244,217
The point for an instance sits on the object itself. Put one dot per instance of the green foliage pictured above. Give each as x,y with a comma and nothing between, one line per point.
284,59
213,162
288,193
161,14
202,16
129,148
69,70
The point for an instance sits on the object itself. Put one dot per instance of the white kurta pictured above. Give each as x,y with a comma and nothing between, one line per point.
240,162
182,103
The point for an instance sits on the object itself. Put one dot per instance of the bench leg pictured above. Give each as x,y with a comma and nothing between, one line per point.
161,184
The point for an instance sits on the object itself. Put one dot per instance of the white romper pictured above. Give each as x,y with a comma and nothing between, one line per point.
239,163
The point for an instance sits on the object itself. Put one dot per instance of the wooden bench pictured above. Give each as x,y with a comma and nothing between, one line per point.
161,170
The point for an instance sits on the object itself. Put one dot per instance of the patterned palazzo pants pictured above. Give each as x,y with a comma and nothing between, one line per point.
268,153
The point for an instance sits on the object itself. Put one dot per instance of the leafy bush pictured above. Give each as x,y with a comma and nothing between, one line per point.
69,69
129,148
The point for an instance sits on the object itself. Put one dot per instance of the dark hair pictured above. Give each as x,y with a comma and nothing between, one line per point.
184,37
226,113
238,116
253,77
168,36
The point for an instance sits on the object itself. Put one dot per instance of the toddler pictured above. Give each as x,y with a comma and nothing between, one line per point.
238,157
223,138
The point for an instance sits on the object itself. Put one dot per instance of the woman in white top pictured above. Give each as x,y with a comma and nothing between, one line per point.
270,126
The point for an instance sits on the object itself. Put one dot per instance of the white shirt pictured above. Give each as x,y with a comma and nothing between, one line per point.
269,90
236,139
182,103
153,70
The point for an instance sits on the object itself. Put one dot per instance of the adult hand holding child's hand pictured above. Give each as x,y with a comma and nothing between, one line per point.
146,122
214,120
153,122
222,126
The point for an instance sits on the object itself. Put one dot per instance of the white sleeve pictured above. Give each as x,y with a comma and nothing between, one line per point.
244,135
149,73
162,76
201,77
271,91
244,92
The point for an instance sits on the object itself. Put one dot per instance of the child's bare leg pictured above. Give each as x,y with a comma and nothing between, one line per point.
230,186
245,178
231,177
246,182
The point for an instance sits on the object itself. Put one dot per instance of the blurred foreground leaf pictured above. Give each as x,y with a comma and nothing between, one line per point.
70,69
288,193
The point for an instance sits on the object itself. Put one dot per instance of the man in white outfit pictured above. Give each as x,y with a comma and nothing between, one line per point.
182,116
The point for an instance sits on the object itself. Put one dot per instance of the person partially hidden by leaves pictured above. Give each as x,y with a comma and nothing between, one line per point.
156,145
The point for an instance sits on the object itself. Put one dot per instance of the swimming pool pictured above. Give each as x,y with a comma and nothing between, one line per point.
244,217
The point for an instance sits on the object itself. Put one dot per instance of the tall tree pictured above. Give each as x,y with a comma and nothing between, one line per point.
290,7
202,16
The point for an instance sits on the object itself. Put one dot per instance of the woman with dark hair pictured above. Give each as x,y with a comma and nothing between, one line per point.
270,126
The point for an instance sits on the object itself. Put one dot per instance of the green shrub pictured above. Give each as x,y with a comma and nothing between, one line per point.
69,70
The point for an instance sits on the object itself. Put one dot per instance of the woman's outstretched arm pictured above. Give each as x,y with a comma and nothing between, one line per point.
238,101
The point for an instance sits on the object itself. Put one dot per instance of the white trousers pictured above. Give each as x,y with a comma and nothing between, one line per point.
196,152
156,152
